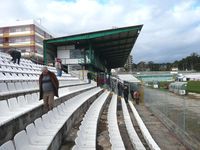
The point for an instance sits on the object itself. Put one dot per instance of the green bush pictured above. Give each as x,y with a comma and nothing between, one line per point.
164,84
193,86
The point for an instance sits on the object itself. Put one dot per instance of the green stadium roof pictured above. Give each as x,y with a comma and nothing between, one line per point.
113,45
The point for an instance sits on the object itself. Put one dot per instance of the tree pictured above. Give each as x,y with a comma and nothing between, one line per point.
141,66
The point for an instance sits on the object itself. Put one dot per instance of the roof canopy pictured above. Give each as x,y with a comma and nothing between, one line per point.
113,46
128,78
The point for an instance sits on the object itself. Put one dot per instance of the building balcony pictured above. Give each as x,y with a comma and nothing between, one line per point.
39,35
39,45
24,33
18,44
16,34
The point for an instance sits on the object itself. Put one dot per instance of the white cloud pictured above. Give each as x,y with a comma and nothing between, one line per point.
171,28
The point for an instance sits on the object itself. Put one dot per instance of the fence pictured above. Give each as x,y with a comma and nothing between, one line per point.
181,114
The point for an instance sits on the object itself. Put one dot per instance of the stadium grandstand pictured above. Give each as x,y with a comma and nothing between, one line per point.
24,124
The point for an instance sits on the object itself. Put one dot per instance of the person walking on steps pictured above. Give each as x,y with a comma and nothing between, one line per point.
58,66
48,85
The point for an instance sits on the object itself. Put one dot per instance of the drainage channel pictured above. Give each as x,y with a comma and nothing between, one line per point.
137,129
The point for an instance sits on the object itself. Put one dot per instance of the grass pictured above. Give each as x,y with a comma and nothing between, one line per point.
193,86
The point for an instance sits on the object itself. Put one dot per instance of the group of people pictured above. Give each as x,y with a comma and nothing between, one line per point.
48,85
124,89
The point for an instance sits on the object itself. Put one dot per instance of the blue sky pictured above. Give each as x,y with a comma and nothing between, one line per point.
171,28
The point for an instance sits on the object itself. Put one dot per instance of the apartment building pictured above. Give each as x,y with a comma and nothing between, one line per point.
129,63
25,36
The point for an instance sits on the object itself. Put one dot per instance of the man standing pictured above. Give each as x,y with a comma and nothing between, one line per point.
126,93
89,76
58,66
137,97
120,88
48,84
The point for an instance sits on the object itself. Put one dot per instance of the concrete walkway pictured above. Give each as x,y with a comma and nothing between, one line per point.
163,137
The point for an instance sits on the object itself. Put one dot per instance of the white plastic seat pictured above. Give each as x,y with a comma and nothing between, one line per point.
22,143
5,113
55,117
9,145
34,138
21,77
25,84
23,103
5,68
41,129
35,97
49,125
2,76
8,76
11,87
15,107
3,88
31,100
18,86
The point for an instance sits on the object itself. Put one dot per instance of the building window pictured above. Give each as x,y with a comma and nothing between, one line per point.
76,54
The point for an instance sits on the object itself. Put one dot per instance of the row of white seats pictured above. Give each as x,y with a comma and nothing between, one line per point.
22,65
39,135
16,87
73,89
9,72
113,129
4,68
6,59
16,106
6,76
5,55
11,64
86,138
25,65
24,70
135,140
147,136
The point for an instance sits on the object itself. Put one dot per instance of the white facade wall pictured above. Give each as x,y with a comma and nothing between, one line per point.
63,52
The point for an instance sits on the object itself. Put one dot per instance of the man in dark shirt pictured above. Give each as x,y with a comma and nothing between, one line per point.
89,76
126,92
16,55
48,88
